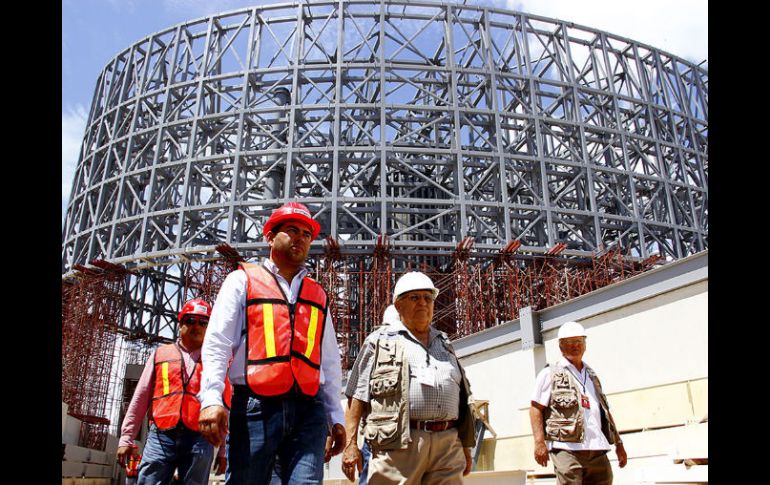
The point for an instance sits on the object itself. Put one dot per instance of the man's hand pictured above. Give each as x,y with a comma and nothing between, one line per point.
220,465
124,453
541,453
334,442
213,424
622,457
468,461
352,460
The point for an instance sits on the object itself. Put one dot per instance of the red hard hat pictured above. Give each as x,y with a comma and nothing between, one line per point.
196,306
292,211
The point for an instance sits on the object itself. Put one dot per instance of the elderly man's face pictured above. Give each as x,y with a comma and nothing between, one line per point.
573,347
416,309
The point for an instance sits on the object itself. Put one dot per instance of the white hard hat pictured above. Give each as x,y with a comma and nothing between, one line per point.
571,329
413,280
390,316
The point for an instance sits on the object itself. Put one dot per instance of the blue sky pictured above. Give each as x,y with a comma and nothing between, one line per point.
94,31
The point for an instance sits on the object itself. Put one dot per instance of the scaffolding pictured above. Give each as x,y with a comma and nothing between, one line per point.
515,159
474,294
92,307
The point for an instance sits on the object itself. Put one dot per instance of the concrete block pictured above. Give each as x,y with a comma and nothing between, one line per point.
73,469
86,481
64,409
692,441
628,474
78,469
502,477
86,455
668,443
674,474
76,453
699,394
71,430
514,453
652,407
112,444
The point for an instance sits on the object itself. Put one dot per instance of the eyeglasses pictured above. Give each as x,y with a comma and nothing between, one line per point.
572,341
202,321
417,298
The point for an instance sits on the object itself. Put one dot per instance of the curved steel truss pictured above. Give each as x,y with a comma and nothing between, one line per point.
427,123
424,122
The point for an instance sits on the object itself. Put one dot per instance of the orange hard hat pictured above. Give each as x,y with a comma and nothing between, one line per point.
196,306
292,211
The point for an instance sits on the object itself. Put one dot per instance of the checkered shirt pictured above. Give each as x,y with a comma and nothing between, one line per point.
439,402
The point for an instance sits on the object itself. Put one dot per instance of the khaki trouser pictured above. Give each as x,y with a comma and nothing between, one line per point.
432,458
581,467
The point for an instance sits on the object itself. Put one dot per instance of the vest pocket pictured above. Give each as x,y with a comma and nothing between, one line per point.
386,383
564,430
564,399
381,430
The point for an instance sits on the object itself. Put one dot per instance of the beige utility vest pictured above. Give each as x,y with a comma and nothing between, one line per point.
387,424
564,414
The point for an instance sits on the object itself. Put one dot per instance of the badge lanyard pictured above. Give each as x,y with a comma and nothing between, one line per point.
583,396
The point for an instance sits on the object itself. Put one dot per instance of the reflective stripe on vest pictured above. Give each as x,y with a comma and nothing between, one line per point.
282,339
172,398
132,464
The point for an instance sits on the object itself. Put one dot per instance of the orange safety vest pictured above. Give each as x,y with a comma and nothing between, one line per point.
283,340
132,464
174,395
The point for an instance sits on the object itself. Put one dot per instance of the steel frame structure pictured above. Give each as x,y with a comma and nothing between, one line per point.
420,123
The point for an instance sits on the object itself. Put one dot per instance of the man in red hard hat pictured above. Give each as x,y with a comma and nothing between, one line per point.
168,387
272,319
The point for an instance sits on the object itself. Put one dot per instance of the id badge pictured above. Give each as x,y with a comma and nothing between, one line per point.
427,376
584,401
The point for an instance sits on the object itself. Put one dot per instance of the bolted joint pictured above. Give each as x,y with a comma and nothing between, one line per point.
531,335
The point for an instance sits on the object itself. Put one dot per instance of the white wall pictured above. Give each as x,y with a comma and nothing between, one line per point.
659,340
652,358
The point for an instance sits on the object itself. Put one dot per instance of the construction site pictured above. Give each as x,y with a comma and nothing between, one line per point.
526,164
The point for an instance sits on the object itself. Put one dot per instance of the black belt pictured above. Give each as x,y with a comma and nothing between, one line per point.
293,393
430,425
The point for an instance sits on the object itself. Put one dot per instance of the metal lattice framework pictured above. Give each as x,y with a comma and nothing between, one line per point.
421,122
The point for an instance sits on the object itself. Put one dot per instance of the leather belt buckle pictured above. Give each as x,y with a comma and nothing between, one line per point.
433,426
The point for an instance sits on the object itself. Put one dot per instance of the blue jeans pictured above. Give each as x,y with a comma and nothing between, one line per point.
366,454
291,429
179,448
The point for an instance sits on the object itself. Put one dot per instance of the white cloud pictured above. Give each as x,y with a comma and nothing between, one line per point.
200,8
680,27
73,126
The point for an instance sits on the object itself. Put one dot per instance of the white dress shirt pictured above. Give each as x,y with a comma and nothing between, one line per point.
593,439
226,337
